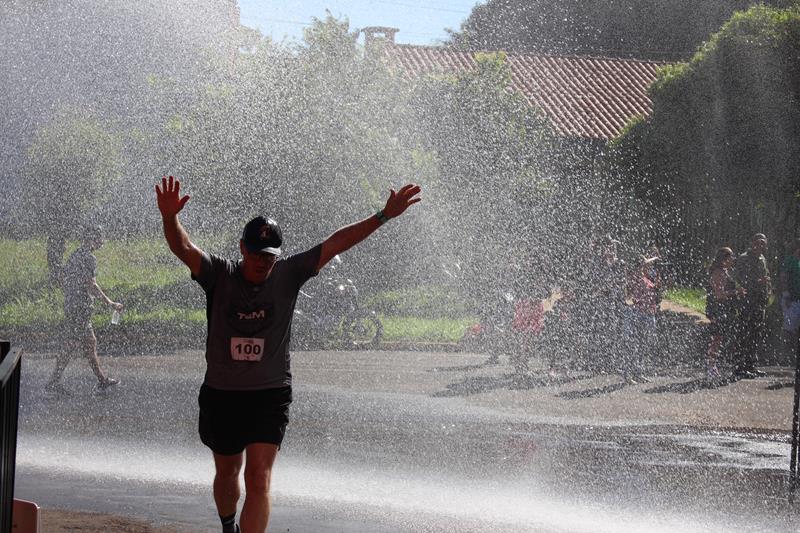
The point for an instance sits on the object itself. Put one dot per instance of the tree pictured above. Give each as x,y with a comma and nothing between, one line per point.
129,62
312,134
719,156
490,166
72,162
318,133
645,29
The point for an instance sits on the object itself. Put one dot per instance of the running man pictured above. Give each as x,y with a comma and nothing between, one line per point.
245,396
80,289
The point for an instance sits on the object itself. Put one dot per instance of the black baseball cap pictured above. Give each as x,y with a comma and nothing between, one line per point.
262,235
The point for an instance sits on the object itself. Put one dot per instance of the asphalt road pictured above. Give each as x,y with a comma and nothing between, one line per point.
423,442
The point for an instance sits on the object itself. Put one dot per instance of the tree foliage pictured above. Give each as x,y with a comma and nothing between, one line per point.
73,161
489,147
720,154
317,134
645,29
302,132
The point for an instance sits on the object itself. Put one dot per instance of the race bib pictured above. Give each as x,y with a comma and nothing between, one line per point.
247,349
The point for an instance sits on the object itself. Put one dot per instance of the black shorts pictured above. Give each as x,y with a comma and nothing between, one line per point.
230,420
77,326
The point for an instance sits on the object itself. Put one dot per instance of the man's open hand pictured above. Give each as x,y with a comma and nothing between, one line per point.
399,201
169,198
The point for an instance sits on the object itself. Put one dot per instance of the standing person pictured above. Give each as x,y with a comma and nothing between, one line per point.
562,334
245,396
654,271
721,296
527,326
80,289
607,283
641,328
789,280
752,274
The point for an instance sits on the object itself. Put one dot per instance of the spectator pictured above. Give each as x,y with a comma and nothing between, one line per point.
527,326
721,296
655,272
790,289
607,284
753,275
641,327
562,333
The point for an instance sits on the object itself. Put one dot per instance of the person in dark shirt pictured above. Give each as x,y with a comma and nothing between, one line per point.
752,274
606,283
789,281
722,294
245,396
80,289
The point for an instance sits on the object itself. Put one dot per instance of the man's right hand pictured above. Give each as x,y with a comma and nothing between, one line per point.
170,202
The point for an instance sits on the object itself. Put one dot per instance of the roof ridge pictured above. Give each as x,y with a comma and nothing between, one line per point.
532,54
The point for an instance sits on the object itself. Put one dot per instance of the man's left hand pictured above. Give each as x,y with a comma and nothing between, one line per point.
400,200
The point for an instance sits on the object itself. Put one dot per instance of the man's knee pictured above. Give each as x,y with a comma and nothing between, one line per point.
228,468
257,480
89,344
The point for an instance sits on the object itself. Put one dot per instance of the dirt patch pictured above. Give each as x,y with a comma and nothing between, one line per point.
62,521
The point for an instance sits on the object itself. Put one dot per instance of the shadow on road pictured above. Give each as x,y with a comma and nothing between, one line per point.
780,385
687,387
474,385
463,368
511,381
590,393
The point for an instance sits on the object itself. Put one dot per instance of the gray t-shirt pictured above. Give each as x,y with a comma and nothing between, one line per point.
79,272
249,325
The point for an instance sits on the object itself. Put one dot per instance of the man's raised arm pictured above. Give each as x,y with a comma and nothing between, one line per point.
170,204
348,236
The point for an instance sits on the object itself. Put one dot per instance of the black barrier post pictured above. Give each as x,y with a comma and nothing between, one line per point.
795,427
9,411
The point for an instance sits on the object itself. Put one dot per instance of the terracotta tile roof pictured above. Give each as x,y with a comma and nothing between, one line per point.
582,96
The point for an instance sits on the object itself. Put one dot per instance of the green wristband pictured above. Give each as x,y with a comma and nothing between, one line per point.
383,219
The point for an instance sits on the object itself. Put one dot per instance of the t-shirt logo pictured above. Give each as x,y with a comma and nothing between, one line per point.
250,320
254,315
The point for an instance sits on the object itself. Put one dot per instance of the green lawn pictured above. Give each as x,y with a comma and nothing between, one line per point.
397,328
158,294
692,298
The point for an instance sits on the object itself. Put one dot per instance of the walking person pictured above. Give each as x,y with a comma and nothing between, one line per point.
752,274
80,289
721,296
245,396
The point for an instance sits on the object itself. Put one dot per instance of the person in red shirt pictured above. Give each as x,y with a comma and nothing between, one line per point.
644,294
527,324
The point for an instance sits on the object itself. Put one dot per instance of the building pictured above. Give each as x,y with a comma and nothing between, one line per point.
587,100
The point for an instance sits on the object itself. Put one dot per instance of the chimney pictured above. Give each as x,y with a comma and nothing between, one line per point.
375,35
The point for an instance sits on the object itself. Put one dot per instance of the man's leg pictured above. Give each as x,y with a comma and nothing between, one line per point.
257,476
759,337
68,350
90,351
62,360
752,319
226,483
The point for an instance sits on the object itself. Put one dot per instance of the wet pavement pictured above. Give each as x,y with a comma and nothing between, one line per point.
400,441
